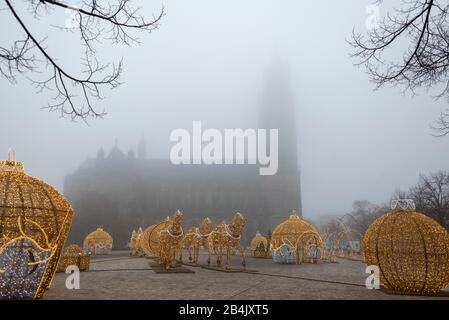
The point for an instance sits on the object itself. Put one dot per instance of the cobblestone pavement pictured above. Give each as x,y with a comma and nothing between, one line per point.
120,276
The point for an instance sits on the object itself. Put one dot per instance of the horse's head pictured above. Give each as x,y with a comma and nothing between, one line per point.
206,226
238,222
177,219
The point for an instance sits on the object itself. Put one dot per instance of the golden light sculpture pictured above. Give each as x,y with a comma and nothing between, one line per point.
259,246
410,249
34,223
226,237
341,241
139,248
133,242
296,241
197,237
98,242
151,238
74,255
171,241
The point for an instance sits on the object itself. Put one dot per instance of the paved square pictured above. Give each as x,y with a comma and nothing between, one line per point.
120,276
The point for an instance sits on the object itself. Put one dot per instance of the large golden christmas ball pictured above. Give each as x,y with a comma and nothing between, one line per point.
35,215
294,232
98,242
410,249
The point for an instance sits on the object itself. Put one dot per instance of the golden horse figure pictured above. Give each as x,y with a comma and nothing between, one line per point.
196,238
172,241
227,237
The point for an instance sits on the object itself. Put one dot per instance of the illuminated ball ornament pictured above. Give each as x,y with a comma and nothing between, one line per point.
98,242
34,223
410,249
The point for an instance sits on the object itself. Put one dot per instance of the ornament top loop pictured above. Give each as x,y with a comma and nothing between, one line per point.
403,204
11,154
11,165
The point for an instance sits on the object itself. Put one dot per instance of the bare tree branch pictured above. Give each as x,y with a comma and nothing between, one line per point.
112,22
423,26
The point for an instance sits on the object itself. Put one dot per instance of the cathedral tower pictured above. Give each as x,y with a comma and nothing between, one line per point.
277,111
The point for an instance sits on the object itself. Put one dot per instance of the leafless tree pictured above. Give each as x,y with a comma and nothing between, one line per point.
431,196
422,26
362,215
93,21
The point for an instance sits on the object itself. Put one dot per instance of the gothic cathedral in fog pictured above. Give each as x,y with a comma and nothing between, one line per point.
122,192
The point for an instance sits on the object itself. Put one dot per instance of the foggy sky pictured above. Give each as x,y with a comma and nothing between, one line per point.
206,62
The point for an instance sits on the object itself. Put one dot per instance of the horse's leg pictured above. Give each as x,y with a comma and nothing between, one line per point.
242,253
173,257
208,253
166,257
179,248
161,253
228,257
217,249
196,251
190,251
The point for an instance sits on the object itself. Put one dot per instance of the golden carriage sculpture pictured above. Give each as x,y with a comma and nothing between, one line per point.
98,242
260,247
296,241
149,242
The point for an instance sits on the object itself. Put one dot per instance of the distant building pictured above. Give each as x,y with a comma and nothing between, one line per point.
121,193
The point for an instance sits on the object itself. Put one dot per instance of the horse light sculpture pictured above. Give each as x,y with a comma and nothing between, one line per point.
227,237
172,241
196,238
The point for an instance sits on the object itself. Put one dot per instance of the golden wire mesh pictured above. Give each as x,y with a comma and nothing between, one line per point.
411,251
292,231
151,238
74,255
98,242
44,214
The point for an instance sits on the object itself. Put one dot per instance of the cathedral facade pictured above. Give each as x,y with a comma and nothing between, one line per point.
122,192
